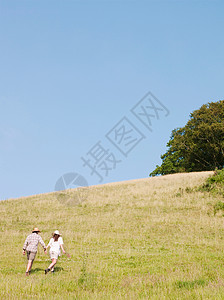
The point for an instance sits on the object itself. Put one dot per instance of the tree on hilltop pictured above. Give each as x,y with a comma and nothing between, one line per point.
199,145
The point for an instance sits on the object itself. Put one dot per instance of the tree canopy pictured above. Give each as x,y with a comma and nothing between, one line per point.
199,145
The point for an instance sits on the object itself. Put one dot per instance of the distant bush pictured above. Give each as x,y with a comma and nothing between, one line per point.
215,183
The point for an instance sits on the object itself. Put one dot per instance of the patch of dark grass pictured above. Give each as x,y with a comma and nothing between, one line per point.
189,190
179,193
190,284
86,280
218,206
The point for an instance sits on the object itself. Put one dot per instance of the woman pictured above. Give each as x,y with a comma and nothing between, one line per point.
55,244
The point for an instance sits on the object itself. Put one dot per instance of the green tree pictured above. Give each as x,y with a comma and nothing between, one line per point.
199,145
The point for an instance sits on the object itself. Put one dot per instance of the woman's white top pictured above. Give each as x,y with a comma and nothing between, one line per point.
55,245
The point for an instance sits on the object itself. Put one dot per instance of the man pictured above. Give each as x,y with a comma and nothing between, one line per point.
30,247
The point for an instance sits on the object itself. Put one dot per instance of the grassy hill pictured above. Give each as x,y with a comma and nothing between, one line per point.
153,238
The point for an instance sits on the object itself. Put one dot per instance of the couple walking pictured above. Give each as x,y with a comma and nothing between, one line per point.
31,244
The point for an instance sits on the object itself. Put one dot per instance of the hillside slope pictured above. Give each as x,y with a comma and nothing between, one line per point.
149,238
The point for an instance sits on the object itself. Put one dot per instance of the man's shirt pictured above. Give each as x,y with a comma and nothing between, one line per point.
32,241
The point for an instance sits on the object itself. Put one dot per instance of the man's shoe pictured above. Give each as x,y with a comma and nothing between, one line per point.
46,271
27,273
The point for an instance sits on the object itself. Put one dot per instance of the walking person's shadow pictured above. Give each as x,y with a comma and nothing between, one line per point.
37,270
58,269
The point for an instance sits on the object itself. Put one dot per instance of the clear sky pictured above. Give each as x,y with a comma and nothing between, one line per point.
70,71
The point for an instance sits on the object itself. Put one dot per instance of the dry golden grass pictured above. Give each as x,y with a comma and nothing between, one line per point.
153,238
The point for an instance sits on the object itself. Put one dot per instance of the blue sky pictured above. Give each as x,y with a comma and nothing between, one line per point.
71,70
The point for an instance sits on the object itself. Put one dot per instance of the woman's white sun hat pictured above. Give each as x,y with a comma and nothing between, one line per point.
57,232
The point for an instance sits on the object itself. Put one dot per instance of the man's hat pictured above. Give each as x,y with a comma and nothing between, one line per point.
36,230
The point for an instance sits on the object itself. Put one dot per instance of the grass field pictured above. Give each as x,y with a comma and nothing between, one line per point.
154,238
